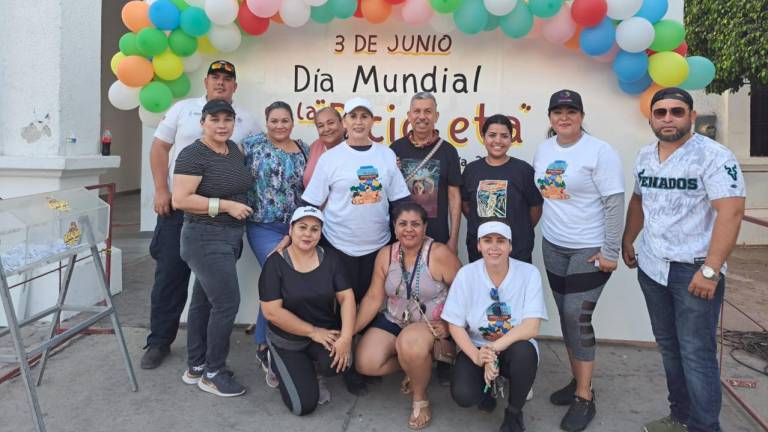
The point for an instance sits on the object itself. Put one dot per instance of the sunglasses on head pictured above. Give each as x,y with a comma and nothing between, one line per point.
223,65
677,112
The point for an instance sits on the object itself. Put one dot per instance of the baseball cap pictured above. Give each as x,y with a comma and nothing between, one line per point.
565,98
494,227
673,93
215,106
222,66
357,102
306,211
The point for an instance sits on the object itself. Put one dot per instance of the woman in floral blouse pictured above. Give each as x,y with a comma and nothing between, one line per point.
277,164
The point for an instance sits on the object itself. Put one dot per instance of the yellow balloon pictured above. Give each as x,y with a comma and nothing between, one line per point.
668,68
204,45
168,66
116,61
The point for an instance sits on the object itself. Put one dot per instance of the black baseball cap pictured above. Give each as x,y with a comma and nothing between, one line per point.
565,98
222,66
215,106
673,93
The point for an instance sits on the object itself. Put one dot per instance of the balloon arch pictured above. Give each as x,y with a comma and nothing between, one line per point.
166,37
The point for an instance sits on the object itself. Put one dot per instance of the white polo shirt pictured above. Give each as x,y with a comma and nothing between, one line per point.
181,127
676,193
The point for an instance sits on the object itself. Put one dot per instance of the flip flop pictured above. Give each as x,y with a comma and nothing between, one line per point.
421,411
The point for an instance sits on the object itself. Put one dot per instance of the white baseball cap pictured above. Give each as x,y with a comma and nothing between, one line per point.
306,211
357,102
494,227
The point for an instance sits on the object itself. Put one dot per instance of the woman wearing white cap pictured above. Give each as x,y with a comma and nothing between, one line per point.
494,309
308,336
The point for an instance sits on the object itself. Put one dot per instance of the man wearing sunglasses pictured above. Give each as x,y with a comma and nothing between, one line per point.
179,128
688,201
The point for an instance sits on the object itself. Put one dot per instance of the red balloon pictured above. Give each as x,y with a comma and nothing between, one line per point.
250,23
682,49
589,13
359,11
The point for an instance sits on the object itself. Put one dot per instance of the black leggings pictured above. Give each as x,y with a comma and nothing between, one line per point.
359,269
518,364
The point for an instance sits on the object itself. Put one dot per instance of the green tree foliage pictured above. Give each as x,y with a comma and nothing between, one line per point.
734,35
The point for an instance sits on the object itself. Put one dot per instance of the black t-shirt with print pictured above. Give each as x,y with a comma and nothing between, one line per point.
429,187
506,192
310,296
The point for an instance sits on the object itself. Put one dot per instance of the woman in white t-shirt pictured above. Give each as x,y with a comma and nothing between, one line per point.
581,180
494,309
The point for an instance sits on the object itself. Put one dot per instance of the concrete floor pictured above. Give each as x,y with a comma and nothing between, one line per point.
86,387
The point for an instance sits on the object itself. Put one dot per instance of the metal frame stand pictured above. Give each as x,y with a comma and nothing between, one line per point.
14,326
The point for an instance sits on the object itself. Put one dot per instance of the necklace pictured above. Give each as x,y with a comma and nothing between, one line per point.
225,152
407,278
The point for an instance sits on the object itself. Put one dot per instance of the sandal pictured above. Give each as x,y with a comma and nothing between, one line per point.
420,416
405,386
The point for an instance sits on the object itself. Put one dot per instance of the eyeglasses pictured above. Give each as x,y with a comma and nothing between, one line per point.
494,294
223,65
677,112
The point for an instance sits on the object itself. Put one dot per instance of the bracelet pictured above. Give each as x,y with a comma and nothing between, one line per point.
213,207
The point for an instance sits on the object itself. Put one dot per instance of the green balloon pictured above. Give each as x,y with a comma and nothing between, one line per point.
493,23
471,17
151,41
182,44
517,23
322,14
343,9
128,45
194,21
181,4
669,35
545,8
155,97
445,6
179,87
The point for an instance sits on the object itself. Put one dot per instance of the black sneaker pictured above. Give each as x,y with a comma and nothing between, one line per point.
154,356
513,421
262,358
222,384
579,415
355,383
443,374
565,395
487,403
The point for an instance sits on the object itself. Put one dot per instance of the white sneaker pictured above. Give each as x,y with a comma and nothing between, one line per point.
324,393
530,395
271,378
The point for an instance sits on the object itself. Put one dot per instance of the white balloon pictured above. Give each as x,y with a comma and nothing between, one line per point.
225,38
674,11
123,97
623,9
193,62
315,3
221,12
442,23
295,13
150,119
635,34
500,7
149,2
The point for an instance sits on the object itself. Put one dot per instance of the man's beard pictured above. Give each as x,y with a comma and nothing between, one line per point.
679,133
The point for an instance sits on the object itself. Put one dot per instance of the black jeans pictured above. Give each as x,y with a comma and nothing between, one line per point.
211,252
169,293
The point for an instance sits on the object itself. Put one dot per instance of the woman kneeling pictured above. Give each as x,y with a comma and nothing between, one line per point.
494,309
298,290
413,276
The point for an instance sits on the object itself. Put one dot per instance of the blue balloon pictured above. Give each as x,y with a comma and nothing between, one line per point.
164,15
636,87
701,73
630,66
599,39
653,10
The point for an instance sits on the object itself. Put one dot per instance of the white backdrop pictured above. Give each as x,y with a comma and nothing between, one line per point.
514,74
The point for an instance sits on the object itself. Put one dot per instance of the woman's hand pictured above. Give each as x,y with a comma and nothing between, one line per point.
484,356
235,209
490,373
441,329
325,337
284,243
341,353
603,263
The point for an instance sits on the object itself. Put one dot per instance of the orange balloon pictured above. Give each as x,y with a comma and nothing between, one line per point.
573,42
277,18
645,99
376,11
136,15
135,71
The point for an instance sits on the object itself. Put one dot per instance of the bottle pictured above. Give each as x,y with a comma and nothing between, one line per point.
106,141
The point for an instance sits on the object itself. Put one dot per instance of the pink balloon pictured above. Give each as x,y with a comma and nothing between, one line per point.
560,27
263,8
609,56
417,12
535,32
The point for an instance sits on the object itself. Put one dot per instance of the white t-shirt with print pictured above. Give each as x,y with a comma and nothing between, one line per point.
573,181
358,186
469,302
678,215
181,127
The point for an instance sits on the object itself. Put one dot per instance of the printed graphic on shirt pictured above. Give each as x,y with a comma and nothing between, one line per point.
423,184
368,190
678,183
492,198
732,171
553,185
498,315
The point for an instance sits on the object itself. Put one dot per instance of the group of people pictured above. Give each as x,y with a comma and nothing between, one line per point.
358,248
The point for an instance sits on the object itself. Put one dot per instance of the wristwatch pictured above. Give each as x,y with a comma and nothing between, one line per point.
709,273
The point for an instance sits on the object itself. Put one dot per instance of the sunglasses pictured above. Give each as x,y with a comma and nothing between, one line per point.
677,112
494,294
223,65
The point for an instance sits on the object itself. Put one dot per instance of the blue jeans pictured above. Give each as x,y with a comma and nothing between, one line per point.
685,328
263,237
